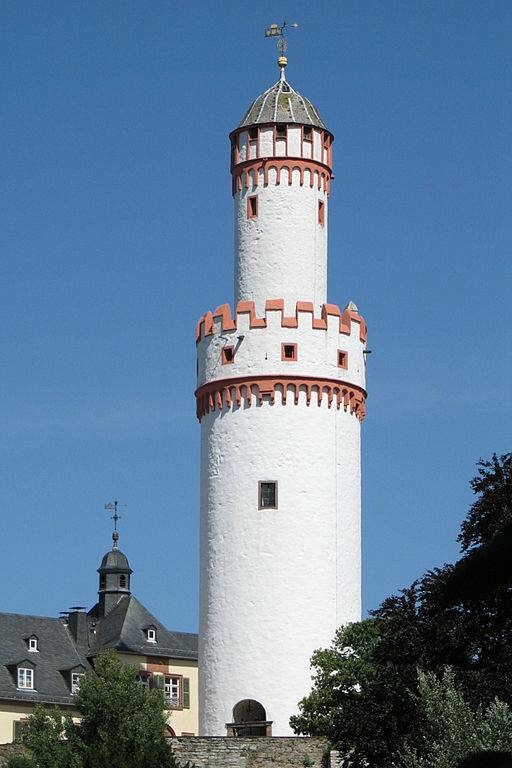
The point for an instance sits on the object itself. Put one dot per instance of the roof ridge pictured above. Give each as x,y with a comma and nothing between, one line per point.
31,616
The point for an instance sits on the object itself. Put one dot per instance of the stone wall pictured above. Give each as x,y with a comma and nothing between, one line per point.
272,752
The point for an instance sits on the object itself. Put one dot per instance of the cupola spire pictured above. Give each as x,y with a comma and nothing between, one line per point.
279,31
113,506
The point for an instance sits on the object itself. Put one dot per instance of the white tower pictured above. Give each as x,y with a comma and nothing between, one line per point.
280,397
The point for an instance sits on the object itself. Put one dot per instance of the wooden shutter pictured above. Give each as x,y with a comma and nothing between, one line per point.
186,693
18,726
157,680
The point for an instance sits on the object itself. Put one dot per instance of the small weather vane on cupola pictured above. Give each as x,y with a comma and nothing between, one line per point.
279,31
113,506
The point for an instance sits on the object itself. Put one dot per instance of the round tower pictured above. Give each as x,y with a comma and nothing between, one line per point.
280,398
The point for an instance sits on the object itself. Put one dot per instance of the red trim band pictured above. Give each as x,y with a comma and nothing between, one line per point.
227,392
291,164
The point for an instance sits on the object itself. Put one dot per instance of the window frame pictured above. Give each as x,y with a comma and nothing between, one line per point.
226,350
253,211
177,702
33,644
321,213
262,483
24,673
75,686
295,352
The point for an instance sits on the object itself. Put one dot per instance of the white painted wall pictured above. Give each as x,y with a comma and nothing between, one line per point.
259,352
270,588
275,584
283,252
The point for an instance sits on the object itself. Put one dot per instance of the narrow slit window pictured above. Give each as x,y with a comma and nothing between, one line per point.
267,494
122,581
289,352
228,355
252,207
321,212
342,359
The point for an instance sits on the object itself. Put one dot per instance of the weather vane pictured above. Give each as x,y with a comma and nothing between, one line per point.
113,506
279,31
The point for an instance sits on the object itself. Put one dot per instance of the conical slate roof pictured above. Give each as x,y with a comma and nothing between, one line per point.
115,560
282,104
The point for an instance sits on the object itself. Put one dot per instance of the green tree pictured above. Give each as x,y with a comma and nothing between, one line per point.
450,729
45,737
419,629
122,724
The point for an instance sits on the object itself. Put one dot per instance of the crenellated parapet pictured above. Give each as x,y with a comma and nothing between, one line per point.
206,324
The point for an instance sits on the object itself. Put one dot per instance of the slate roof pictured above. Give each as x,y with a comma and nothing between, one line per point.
57,655
123,629
282,104
115,560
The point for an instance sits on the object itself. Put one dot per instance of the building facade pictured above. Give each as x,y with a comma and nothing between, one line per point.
42,659
280,399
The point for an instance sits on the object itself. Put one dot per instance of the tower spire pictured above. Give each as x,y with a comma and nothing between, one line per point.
113,506
279,31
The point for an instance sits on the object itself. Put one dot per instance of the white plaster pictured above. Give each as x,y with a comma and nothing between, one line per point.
276,584
283,252
270,588
259,352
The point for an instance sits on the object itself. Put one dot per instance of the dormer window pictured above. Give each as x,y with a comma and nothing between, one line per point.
151,635
25,679
76,678
32,644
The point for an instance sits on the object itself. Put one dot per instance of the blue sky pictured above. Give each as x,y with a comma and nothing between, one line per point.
116,235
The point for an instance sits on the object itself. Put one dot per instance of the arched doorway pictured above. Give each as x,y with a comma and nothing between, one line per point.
249,719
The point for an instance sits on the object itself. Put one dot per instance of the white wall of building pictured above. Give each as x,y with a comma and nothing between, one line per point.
271,589
282,253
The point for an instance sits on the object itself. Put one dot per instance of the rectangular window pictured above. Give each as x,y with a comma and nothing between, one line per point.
321,212
252,207
281,131
142,678
32,643
342,359
267,494
172,690
26,678
151,635
289,352
228,355
75,681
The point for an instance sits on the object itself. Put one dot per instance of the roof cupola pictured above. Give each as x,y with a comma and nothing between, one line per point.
114,572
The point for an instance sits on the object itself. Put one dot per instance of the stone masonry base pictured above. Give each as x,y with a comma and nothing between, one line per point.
270,752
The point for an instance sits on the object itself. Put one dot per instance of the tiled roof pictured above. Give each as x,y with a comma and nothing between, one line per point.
123,629
56,656
282,104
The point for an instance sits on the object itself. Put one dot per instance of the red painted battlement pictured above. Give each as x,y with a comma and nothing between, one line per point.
206,324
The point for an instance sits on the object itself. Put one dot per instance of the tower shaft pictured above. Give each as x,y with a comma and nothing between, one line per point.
280,398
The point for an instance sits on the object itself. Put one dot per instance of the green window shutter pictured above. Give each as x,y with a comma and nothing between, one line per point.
157,680
18,726
186,693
